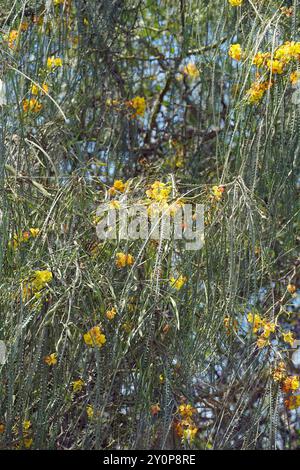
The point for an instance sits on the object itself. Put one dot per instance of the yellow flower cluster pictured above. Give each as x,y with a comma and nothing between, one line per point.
24,237
54,62
178,283
279,373
265,328
235,3
51,359
35,90
291,384
138,105
292,288
276,63
257,91
32,105
287,11
288,51
191,70
185,426
288,338
12,38
275,66
38,281
158,191
235,52
41,279
77,385
94,337
118,186
110,314
123,260
218,192
272,63
90,411
259,324
155,409
260,59
292,402
27,434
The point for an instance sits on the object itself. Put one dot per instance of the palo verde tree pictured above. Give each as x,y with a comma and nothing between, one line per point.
141,343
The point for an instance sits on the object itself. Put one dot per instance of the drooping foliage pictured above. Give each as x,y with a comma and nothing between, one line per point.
142,343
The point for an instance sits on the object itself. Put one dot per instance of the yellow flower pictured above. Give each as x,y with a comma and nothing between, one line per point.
268,328
24,26
34,90
161,378
32,105
94,337
235,51
25,236
114,205
191,70
292,402
218,192
294,77
257,90
177,283
28,441
235,3
291,384
287,11
275,66
54,62
291,288
138,104
45,88
51,359
36,283
262,342
155,409
260,58
127,327
77,385
41,278
90,411
123,259
12,38
26,425
189,434
257,321
280,372
118,186
158,191
110,314
288,51
288,338
34,232
186,410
